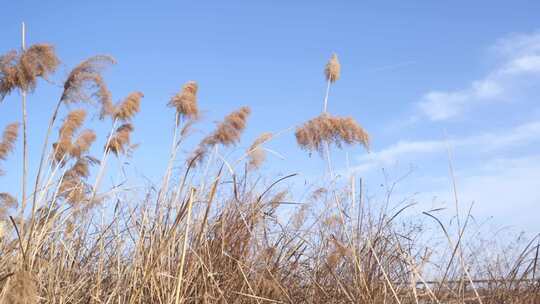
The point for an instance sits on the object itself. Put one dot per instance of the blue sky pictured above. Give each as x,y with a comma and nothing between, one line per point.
420,76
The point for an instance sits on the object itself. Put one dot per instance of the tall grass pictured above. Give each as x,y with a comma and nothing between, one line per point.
211,232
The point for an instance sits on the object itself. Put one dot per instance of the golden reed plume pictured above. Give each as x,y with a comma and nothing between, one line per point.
185,101
9,137
128,107
120,141
227,133
256,154
332,69
330,129
73,187
229,130
87,76
71,124
83,143
22,70
7,201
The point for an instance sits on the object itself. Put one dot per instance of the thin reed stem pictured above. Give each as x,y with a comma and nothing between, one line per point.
25,143
184,247
325,106
103,162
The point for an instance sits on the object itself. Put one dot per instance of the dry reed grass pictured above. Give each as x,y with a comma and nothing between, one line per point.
256,153
9,136
128,107
185,101
73,122
222,236
87,77
21,70
21,289
7,202
332,70
120,141
227,133
327,129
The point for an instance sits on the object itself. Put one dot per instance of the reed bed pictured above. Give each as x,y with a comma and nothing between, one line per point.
212,232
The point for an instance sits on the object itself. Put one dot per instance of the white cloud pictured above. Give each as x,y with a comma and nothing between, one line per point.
519,57
503,188
484,142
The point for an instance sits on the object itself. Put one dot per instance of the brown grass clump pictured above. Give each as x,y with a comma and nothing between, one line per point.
332,69
121,139
330,129
22,70
256,153
21,289
87,76
185,101
129,107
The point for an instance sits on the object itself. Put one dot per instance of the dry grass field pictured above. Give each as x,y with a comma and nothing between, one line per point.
211,231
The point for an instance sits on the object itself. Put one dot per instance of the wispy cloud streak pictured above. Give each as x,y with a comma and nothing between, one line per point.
519,61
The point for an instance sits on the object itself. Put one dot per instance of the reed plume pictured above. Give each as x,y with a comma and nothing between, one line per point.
7,201
256,154
21,289
73,187
83,143
120,141
227,133
9,137
325,128
71,124
9,78
21,71
87,77
332,69
128,107
185,101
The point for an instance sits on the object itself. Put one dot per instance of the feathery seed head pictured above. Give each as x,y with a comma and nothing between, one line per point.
228,132
7,202
121,139
329,129
129,107
9,77
83,143
185,101
256,153
9,137
72,123
87,76
22,70
332,69
73,187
